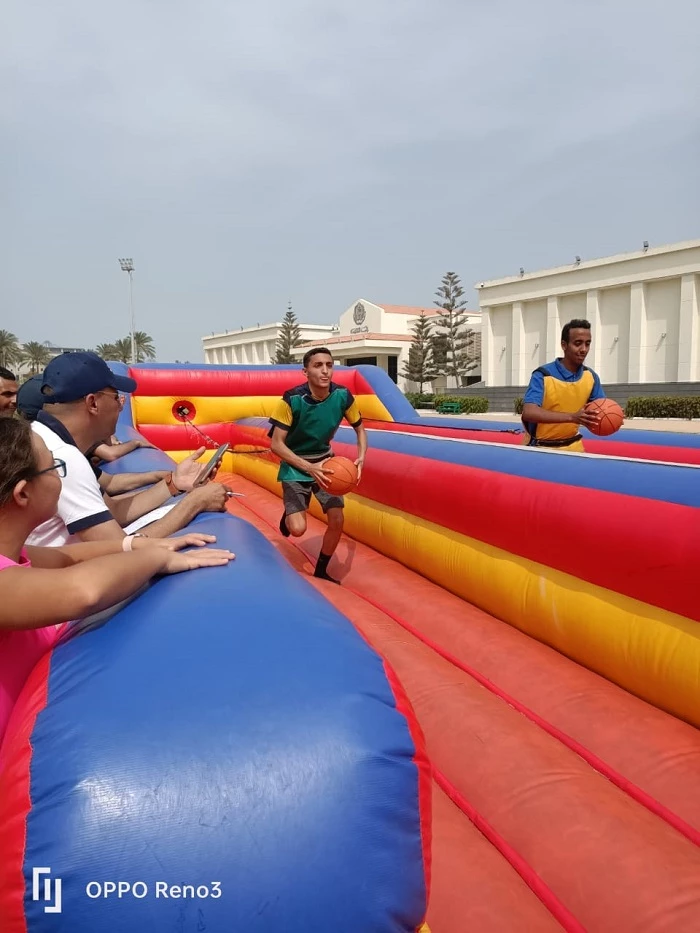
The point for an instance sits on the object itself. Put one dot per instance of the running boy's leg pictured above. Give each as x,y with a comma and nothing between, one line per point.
297,497
333,508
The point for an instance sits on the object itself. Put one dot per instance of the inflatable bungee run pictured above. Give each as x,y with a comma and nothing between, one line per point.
492,725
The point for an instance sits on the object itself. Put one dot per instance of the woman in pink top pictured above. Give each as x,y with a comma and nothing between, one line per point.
40,588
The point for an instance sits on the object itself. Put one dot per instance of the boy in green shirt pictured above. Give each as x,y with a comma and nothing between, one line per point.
303,424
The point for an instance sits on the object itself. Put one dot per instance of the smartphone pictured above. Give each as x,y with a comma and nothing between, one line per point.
209,468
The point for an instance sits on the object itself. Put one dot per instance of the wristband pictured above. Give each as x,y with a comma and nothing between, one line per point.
170,483
128,541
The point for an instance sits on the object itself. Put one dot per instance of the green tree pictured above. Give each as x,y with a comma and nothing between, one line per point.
36,355
420,367
106,350
10,350
455,343
122,350
145,348
289,337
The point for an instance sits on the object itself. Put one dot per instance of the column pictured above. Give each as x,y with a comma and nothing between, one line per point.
486,347
688,331
637,360
517,377
553,328
593,318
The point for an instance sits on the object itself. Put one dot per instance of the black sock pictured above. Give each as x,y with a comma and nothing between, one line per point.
283,525
322,568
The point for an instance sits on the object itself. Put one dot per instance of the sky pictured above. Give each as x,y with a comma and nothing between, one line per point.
245,155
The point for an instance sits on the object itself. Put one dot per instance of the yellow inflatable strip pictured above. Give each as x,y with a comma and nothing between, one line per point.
653,653
157,409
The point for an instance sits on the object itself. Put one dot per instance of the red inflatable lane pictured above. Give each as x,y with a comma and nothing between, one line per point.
474,887
606,861
483,504
506,436
172,383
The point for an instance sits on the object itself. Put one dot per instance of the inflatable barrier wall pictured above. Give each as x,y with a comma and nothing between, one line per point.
495,714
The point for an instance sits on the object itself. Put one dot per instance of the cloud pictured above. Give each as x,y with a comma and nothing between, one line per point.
243,153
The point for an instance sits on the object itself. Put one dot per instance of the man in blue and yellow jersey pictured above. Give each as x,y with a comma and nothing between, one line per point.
554,404
303,424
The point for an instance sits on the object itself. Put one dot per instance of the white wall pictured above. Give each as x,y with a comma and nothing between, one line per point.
501,328
534,350
660,350
630,300
256,346
612,335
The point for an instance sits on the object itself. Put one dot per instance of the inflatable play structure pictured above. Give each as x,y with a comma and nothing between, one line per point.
492,725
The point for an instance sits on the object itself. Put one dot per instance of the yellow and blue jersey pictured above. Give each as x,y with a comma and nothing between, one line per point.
556,388
310,424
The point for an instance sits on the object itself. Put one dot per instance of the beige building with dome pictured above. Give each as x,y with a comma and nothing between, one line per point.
366,333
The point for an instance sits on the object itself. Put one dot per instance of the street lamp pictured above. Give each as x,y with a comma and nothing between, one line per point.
127,265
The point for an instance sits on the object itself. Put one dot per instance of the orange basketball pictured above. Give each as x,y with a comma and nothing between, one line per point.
344,475
611,416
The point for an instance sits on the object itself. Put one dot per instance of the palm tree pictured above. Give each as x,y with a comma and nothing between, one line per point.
145,350
107,351
122,350
10,350
37,355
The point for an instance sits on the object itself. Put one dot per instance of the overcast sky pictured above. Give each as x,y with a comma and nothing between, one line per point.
248,153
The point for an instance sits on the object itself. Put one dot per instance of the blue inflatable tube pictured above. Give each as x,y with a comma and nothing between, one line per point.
679,483
667,438
230,734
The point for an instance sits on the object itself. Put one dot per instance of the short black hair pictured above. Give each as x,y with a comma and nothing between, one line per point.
573,325
6,374
312,352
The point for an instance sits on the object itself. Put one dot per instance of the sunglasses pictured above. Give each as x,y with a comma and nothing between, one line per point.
58,465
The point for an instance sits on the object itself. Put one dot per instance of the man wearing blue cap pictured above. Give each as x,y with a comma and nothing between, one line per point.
82,401
30,402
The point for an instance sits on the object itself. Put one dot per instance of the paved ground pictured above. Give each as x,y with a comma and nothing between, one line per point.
679,425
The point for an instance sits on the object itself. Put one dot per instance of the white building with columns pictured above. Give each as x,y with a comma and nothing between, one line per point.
257,345
366,332
642,306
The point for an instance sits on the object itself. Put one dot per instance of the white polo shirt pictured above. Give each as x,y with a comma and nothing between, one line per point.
80,505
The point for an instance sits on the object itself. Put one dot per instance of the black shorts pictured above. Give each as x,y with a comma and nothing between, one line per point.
297,497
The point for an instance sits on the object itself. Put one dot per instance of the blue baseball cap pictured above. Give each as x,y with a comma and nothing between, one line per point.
71,376
30,401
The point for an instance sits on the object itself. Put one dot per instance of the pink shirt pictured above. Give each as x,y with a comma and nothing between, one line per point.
19,652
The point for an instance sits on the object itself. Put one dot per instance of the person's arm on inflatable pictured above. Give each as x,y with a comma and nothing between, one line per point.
111,452
67,555
114,484
32,597
207,498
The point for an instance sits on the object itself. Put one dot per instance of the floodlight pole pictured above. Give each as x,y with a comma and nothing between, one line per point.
127,265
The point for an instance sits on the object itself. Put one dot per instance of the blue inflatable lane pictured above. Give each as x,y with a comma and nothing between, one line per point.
229,735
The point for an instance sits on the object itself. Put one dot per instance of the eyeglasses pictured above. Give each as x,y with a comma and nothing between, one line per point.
58,465
113,394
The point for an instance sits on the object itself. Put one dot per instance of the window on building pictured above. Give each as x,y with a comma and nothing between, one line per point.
362,361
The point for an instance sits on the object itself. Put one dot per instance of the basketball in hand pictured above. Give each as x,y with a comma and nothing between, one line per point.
344,475
611,416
